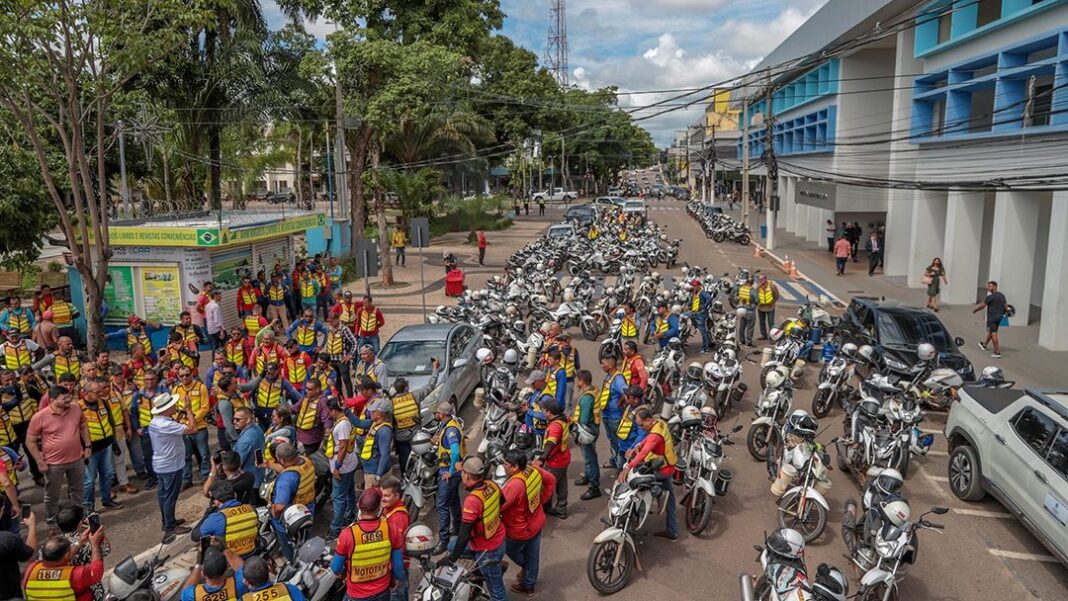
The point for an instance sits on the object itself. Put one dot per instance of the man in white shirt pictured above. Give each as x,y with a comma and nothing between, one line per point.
168,455
213,320
343,463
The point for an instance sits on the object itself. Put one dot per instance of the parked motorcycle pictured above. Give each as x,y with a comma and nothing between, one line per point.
127,578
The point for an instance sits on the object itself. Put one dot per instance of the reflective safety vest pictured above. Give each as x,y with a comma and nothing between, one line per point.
278,592
364,368
348,313
305,334
9,463
329,444
189,333
626,424
144,410
323,376
61,313
195,397
248,296
370,559
627,370
405,411
334,277
335,344
276,294
307,288
235,352
629,327
242,525
368,321
228,592
661,428
550,382
296,370
49,584
592,234
265,358
67,365
25,409
745,294
15,356
661,325
138,373
252,324
532,482
765,295
97,420
562,444
7,432
695,303
444,452
368,449
306,488
490,494
397,240
116,405
175,350
309,409
237,402
139,337
268,394
567,361
18,322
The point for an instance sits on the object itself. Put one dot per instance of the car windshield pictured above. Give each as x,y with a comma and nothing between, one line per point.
910,329
411,357
579,211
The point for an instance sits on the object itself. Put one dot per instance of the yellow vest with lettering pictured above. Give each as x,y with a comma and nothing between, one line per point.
532,483
49,584
268,394
276,293
335,345
305,335
67,365
242,525
307,288
371,553
252,325
134,339
306,416
278,592
248,296
296,370
97,420
228,592
61,313
18,322
368,321
490,495
235,352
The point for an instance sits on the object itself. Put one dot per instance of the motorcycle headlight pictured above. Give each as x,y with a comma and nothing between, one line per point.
834,370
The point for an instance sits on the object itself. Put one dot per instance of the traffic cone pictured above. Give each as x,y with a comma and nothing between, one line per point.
756,251
791,269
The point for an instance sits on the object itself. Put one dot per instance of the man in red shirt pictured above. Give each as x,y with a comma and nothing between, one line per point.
481,528
58,440
397,516
367,555
482,247
556,452
369,321
633,368
247,297
55,578
525,493
656,445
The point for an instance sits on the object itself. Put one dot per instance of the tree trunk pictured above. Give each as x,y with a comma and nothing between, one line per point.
215,160
166,177
94,298
383,227
360,143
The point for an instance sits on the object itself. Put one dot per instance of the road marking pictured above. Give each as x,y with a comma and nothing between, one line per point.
937,454
1023,556
938,478
984,514
930,431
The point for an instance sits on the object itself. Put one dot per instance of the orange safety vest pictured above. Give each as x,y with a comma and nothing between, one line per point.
490,495
49,584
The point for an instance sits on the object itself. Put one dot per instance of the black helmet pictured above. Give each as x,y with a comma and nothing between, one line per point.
524,440
787,543
888,481
802,424
695,372
831,584
870,406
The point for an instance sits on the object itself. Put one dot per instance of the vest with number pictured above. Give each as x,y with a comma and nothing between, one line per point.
532,482
305,494
228,592
307,288
15,356
252,325
368,321
268,394
628,328
139,337
248,297
444,452
9,463
277,592
305,334
18,322
263,359
745,294
49,584
370,559
335,343
765,295
405,411
296,370
348,313
61,313
242,525
97,420
550,382
276,294
235,352
309,409
67,365
661,325
626,424
490,495
661,428
368,449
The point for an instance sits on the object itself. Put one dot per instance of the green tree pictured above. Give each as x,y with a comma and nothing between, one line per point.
25,209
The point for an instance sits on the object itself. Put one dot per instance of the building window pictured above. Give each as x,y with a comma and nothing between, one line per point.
1039,104
945,27
989,11
938,117
982,111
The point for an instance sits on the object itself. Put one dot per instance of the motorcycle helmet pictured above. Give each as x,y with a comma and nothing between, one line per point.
717,307
418,540
708,413
609,291
870,406
775,334
511,311
476,295
694,371
484,355
421,443
992,376
569,295
296,518
676,309
867,352
690,416
802,424
441,310
849,349
519,326
831,584
797,333
511,357
656,275
711,370
926,351
741,312
524,439
896,510
786,543
774,379
675,343
888,481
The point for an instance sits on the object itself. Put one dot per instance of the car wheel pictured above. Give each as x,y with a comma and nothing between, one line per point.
964,474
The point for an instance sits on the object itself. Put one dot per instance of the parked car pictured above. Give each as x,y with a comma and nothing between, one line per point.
409,351
679,192
560,230
636,206
896,329
555,195
284,195
1013,445
615,191
584,215
264,195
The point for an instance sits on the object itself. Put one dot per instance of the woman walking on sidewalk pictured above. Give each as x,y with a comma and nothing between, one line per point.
934,276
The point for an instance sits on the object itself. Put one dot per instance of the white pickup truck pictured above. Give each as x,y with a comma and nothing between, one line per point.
555,195
1013,444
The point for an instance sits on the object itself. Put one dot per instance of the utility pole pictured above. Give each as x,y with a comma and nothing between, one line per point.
745,161
563,164
329,173
122,171
710,183
771,185
341,172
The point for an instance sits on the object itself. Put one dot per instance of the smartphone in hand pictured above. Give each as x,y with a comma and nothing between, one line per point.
26,511
94,522
259,457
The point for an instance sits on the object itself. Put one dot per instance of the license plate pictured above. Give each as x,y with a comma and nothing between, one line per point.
1057,508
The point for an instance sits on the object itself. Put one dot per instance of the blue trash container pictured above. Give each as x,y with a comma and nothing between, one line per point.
764,232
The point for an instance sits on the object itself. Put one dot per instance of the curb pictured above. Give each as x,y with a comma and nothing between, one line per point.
780,262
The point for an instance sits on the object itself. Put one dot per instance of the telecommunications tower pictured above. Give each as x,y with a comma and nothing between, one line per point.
556,46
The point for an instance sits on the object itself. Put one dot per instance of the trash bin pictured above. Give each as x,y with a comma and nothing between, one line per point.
764,232
454,282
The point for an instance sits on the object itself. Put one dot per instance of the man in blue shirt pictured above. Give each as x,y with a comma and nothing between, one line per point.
306,331
609,398
258,578
250,440
534,416
210,576
232,522
665,326
294,485
699,301
141,415
630,433
376,446
555,377
168,457
451,450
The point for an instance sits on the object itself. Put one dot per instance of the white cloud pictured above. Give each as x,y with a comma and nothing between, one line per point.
762,38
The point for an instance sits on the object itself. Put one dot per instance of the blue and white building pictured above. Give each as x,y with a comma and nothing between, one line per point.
969,97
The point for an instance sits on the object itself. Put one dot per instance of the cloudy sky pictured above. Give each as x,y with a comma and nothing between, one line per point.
641,45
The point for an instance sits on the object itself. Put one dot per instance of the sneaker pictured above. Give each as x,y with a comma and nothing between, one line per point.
664,534
112,505
180,522
557,512
982,346
583,481
522,590
593,493
995,355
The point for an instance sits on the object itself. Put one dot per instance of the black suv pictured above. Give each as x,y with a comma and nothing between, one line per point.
582,214
895,330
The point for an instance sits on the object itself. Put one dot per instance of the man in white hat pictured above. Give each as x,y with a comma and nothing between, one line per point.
168,455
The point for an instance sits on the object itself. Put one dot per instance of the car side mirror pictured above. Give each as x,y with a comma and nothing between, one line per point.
457,364
958,341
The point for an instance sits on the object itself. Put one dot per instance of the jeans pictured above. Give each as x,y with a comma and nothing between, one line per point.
146,452
745,329
137,454
371,340
611,426
814,336
404,449
199,440
322,305
343,498
840,263
100,467
283,539
667,484
488,563
74,475
592,470
448,505
767,322
170,485
700,322
560,497
400,256
527,555
224,441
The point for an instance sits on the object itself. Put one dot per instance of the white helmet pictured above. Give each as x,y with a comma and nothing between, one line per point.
484,355
418,540
656,275
690,416
775,334
694,371
774,379
741,312
831,584
609,291
295,518
849,349
685,270
421,443
896,510
992,374
511,357
926,351
867,351
676,309
787,543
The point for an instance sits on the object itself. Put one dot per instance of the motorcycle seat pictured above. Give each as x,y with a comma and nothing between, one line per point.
641,481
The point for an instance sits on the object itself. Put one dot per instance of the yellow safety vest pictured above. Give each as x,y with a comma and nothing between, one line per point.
176,351
695,304
268,397
196,398
490,495
444,452
745,294
144,410
67,365
626,370
628,328
565,432
397,240
305,335
9,463
252,325
116,405
276,293
278,592
228,592
242,526
661,325
335,344
189,333
7,432
49,584
61,313
661,428
97,420
367,369
765,295
532,482
25,409
329,444
264,358
296,371
626,424
140,337
235,352
248,297
370,559
323,376
306,416
15,356
348,313
369,441
306,489
307,288
18,322
550,382
368,321
405,411
567,361
592,235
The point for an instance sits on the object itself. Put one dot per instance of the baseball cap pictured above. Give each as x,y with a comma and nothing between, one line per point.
534,376
474,466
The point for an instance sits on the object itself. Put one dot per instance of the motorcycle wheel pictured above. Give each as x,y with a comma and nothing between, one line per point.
602,323
744,240
756,441
822,402
878,593
698,512
589,329
809,523
602,573
719,237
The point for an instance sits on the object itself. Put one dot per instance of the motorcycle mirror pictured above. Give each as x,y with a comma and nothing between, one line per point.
940,510
958,341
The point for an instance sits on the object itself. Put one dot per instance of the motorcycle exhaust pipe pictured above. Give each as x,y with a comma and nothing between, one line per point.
746,582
